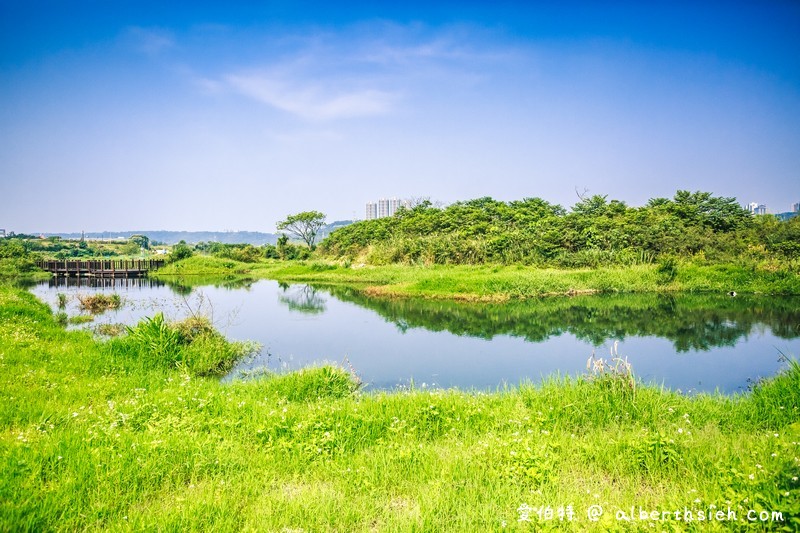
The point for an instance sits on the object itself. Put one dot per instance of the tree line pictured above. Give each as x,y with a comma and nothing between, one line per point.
594,232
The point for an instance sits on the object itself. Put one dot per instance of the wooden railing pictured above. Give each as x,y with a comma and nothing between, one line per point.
112,268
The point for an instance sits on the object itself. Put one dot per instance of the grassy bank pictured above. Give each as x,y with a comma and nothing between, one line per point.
498,283
118,435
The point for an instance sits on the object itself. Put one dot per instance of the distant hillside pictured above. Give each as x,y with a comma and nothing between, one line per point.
255,238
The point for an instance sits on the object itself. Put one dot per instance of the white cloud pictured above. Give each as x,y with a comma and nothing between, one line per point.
360,72
312,100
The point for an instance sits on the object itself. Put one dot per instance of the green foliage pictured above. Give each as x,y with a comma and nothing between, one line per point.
595,232
180,251
246,253
157,340
656,452
15,259
79,319
12,249
314,384
287,251
142,241
667,270
303,225
192,344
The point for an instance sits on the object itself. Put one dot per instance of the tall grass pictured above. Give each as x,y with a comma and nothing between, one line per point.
192,344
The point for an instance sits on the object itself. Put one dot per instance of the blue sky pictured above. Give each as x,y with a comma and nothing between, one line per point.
213,116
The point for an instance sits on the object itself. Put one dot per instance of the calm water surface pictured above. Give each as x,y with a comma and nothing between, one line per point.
689,343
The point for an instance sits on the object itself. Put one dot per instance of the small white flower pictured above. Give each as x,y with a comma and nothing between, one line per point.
752,476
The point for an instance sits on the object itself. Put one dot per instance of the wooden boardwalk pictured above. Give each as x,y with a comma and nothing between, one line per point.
102,268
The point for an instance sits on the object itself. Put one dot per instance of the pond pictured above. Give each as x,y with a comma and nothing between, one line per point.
690,343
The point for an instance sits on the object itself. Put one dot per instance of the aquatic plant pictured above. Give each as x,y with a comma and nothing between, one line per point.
192,344
99,302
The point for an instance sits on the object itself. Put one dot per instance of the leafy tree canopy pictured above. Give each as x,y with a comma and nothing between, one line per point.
303,225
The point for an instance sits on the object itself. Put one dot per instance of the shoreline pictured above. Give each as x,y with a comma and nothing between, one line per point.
494,283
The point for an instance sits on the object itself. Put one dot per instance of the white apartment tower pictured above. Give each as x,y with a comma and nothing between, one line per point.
385,207
757,209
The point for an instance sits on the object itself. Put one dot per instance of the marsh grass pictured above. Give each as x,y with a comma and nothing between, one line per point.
110,330
109,436
78,319
98,303
192,344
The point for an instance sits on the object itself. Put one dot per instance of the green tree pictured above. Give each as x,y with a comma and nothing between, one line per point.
283,242
140,240
303,225
180,251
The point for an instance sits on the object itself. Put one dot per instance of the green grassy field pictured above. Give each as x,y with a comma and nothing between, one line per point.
498,283
137,433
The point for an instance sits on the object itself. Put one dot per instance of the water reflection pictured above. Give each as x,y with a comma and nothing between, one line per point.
184,286
690,322
63,282
302,298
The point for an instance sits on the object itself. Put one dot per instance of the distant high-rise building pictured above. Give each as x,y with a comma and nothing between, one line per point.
757,209
796,207
385,207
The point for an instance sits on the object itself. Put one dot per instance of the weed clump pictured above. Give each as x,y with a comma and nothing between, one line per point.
99,303
312,384
80,319
192,343
110,330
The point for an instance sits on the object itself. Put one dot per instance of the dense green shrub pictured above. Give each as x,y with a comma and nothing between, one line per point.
180,251
15,258
192,343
